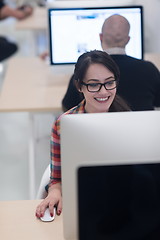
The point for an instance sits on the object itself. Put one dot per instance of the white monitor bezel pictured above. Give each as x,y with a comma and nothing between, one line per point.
134,135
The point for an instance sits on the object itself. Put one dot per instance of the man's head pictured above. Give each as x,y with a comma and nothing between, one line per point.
115,32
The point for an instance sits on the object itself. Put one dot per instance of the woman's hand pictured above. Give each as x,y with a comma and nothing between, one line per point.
54,198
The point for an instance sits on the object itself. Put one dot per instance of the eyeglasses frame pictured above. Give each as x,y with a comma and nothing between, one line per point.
101,84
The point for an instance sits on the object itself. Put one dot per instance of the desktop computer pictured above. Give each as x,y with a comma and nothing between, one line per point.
110,175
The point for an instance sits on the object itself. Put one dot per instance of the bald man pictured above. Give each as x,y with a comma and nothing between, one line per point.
139,82
115,33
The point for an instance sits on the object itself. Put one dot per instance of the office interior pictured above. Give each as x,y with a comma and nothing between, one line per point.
14,127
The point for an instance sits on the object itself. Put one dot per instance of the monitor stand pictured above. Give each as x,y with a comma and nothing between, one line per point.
63,69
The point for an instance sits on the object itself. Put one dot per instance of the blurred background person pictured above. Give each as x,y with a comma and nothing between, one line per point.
8,48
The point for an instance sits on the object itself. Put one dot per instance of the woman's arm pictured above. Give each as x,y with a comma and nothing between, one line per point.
54,197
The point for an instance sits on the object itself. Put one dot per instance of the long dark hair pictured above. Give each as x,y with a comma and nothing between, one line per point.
100,57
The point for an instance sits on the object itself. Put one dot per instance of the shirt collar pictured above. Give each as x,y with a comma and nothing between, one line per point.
81,106
116,50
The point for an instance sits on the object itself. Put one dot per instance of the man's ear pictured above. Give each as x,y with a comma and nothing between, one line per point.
128,39
101,36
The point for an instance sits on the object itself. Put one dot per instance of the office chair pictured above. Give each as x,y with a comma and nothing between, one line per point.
41,194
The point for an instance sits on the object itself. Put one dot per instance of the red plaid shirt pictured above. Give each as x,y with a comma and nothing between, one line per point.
55,144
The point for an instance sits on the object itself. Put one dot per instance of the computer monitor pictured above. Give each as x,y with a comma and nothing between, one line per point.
72,31
103,139
119,202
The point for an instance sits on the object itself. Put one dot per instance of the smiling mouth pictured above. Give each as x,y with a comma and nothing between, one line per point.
102,99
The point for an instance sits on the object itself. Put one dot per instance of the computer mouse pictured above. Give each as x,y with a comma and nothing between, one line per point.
47,217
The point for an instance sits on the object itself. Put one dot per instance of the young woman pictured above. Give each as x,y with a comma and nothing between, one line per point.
96,75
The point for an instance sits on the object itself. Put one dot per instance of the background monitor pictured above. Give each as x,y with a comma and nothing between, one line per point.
72,31
103,139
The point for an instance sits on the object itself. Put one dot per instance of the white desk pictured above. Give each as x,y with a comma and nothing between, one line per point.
31,86
154,58
18,222
37,21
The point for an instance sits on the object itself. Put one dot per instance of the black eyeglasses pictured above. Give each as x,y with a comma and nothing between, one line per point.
96,87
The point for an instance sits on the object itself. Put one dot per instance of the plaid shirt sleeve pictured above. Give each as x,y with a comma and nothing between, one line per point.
55,154
55,176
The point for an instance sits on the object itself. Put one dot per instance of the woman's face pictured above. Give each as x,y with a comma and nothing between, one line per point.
98,101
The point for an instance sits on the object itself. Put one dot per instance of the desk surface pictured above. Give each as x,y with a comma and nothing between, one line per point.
17,221
154,58
37,21
31,85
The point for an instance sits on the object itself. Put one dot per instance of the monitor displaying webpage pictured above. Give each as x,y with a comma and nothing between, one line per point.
75,31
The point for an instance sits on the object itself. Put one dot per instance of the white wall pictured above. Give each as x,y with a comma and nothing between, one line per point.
151,24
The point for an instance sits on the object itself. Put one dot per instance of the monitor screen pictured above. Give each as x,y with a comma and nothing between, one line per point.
119,139
73,31
119,201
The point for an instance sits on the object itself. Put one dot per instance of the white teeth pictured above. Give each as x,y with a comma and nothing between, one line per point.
102,99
